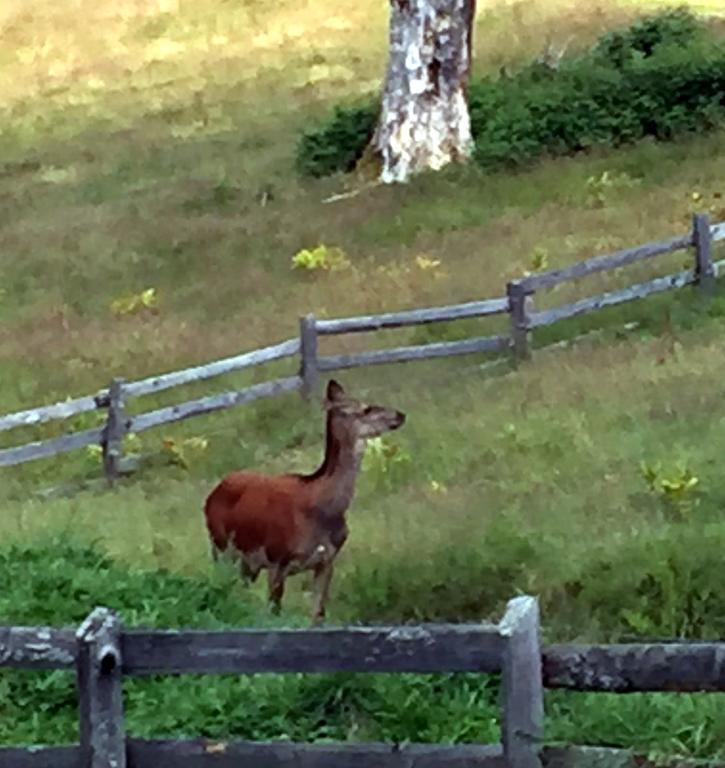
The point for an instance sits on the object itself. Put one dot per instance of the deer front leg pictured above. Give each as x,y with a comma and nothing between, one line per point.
321,588
276,576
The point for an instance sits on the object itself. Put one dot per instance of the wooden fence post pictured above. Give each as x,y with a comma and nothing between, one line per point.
102,732
523,688
308,353
115,429
702,240
520,304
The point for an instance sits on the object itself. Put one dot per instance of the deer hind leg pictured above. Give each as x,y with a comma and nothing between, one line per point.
249,572
321,589
276,575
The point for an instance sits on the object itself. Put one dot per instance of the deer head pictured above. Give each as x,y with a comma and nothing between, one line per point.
359,420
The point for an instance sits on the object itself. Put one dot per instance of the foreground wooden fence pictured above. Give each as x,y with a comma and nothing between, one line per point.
518,304
102,652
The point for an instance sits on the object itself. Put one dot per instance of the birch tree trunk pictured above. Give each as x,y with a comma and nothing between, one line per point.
424,122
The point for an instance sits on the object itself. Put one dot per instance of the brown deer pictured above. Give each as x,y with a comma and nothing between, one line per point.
293,523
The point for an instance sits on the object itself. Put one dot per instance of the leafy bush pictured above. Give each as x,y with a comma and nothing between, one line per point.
339,144
675,26
660,77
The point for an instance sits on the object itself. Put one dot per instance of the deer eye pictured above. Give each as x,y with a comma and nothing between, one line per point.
368,410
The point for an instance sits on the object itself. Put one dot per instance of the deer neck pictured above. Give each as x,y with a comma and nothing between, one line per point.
336,476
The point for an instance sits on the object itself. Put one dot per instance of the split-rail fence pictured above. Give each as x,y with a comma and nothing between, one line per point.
102,652
518,304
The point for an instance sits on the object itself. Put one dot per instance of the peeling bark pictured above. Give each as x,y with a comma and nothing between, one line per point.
424,122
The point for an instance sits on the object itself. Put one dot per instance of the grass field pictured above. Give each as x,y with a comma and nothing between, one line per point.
139,143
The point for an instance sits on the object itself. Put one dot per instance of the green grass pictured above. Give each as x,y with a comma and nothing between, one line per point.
132,159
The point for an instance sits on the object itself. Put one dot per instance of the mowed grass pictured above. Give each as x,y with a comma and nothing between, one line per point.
151,145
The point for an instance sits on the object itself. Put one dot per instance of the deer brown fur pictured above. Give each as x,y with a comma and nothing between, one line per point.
292,523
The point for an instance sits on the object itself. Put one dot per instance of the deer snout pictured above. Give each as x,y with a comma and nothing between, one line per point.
398,420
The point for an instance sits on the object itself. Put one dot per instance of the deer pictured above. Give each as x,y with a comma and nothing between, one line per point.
291,523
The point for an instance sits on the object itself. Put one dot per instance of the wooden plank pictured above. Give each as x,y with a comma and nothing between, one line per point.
212,403
309,372
633,667
412,317
523,712
590,757
606,262
37,648
426,648
201,753
210,370
609,757
718,267
419,352
717,232
45,448
115,429
100,694
702,240
35,416
519,311
41,757
220,754
593,303
619,668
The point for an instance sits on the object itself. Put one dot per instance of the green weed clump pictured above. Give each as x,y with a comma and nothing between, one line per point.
662,77
339,144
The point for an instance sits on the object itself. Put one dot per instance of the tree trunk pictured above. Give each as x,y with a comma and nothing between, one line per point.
424,122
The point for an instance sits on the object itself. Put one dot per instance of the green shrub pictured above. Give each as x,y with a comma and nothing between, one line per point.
661,77
339,144
675,26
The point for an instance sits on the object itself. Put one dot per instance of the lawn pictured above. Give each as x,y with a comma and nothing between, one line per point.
151,145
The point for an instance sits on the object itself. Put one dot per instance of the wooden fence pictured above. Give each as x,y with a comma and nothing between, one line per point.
101,653
518,304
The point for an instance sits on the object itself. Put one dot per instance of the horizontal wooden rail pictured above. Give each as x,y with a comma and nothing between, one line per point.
206,753
412,317
418,352
153,384
37,648
212,403
625,667
634,667
45,448
63,410
434,648
604,263
717,231
592,303
211,753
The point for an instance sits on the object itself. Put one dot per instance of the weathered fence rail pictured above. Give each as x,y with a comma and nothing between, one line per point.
518,304
102,653
618,668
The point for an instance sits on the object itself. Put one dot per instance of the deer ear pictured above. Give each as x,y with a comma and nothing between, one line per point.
334,391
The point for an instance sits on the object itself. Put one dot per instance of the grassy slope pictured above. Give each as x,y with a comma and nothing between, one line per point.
136,151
